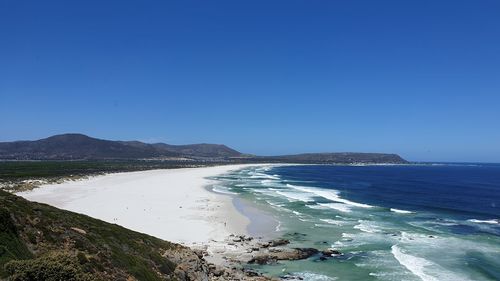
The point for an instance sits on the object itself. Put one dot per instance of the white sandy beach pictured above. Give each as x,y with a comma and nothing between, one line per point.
170,204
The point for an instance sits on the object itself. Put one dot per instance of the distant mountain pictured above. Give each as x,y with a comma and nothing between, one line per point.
78,146
341,158
200,150
82,147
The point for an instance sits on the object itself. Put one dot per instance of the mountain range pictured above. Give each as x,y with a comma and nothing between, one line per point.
78,147
82,147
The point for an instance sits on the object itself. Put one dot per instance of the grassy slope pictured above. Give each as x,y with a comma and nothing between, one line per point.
38,232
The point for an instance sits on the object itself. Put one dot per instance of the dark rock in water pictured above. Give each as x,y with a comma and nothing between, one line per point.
322,243
250,272
331,252
304,253
283,254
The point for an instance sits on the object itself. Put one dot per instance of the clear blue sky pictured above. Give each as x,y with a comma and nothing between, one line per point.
418,78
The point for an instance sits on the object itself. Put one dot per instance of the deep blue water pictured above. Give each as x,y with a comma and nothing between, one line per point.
463,191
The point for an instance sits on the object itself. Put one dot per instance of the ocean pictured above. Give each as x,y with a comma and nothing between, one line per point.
391,222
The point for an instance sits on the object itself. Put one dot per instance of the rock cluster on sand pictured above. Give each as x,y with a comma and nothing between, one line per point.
232,254
191,265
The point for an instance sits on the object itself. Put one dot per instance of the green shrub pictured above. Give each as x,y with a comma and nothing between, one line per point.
51,267
11,246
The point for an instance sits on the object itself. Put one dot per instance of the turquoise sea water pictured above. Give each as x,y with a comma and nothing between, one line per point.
411,222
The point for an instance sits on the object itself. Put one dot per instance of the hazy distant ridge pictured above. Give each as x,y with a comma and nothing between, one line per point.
341,157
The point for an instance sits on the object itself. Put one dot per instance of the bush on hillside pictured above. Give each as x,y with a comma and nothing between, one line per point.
50,267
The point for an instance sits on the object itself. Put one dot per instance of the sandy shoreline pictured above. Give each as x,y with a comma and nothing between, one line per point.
171,204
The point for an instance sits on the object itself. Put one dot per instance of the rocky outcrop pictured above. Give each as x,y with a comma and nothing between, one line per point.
283,254
191,265
237,251
275,243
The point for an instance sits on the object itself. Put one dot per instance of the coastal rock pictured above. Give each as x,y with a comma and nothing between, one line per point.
283,254
331,252
189,267
200,253
251,273
263,259
275,243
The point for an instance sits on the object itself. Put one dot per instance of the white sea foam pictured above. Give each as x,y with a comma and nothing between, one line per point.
492,221
417,238
312,276
424,269
267,182
414,264
324,225
265,191
399,211
328,194
348,235
274,204
222,190
295,196
263,176
334,222
367,226
317,207
337,206
278,226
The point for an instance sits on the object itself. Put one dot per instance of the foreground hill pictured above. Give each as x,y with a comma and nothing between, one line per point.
40,242
78,147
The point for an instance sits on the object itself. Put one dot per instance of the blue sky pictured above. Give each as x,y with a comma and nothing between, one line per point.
418,78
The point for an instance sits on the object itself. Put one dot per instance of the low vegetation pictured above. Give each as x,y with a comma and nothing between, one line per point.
26,175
